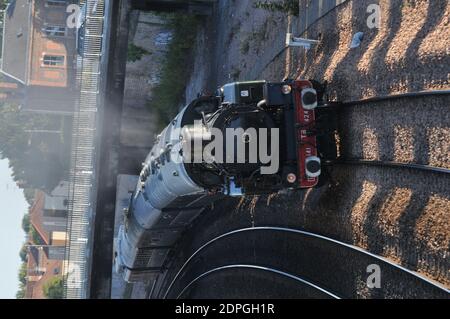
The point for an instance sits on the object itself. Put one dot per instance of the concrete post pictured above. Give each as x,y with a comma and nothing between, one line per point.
292,41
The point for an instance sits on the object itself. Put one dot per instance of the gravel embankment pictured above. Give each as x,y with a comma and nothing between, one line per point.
409,52
405,130
386,211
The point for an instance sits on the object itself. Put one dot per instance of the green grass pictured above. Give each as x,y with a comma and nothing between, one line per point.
135,53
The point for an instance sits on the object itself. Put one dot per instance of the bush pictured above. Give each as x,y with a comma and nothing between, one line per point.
287,6
35,237
169,92
23,273
53,288
135,53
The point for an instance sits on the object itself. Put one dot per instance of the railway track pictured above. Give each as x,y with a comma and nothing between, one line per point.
235,272
393,97
248,270
225,260
409,115
412,166
301,264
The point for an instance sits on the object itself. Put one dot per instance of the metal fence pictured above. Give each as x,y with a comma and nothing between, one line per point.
82,180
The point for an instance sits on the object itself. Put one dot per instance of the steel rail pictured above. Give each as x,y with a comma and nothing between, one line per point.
392,97
307,234
259,268
412,166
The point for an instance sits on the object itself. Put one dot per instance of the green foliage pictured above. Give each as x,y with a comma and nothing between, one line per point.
286,6
135,53
23,254
35,237
35,158
29,195
23,273
3,4
21,292
26,223
53,288
169,92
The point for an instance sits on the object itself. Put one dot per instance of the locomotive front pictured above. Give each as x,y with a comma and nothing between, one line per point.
249,138
254,138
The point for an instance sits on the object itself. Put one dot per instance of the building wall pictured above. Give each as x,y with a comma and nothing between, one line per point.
42,44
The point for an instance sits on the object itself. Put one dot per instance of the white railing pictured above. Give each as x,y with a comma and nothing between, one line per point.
82,186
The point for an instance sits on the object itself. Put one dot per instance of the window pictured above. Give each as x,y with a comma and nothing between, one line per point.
55,3
55,31
55,213
53,60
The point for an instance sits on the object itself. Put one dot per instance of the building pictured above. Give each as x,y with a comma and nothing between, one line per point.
41,269
48,216
39,55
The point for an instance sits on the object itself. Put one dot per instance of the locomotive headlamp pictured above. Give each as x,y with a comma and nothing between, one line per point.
313,167
286,89
309,99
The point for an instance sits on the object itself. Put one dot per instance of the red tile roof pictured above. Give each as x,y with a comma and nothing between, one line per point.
36,215
35,284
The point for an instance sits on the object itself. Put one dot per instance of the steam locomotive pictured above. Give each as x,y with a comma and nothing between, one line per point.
249,138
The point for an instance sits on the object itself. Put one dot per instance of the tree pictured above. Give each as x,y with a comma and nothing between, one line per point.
37,160
21,292
53,288
35,237
26,223
23,273
24,254
29,195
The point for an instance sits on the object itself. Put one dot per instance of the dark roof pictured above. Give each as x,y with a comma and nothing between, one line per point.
34,253
36,215
16,34
49,99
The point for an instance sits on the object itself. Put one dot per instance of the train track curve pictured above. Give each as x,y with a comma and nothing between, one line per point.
318,263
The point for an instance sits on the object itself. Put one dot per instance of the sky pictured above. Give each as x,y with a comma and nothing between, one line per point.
13,207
